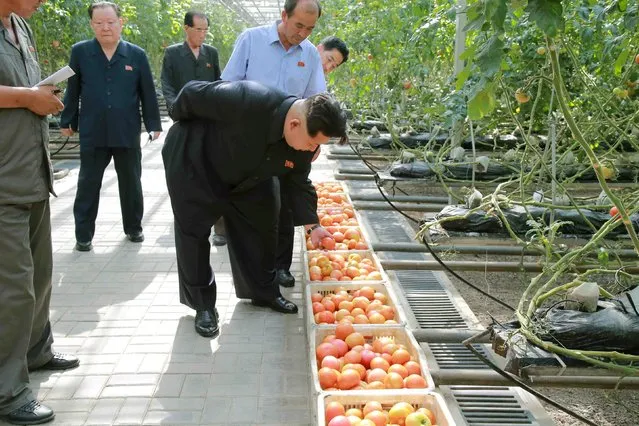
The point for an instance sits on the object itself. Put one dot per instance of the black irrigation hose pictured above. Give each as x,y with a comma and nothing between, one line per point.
62,147
432,252
469,344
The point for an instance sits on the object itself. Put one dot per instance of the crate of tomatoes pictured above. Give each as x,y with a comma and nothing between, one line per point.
382,359
424,408
355,302
342,266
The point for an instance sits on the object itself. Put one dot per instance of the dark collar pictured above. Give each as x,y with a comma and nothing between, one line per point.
122,50
185,50
276,131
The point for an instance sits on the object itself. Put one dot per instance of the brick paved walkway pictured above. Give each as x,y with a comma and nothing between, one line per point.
142,363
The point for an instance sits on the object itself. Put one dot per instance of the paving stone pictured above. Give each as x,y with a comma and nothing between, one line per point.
91,387
173,417
170,385
133,379
104,411
175,404
71,405
133,411
216,410
128,391
244,410
195,385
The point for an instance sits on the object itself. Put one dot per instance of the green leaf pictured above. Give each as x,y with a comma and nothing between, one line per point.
475,16
630,18
547,14
622,5
489,57
622,58
481,104
496,12
463,76
469,53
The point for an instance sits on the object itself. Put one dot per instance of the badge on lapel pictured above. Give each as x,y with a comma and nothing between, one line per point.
289,164
301,64
208,65
128,68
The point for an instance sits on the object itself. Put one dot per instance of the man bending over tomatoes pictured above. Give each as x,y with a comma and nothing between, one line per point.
229,142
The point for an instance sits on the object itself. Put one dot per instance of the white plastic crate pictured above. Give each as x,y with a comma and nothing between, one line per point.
399,334
326,288
357,399
368,254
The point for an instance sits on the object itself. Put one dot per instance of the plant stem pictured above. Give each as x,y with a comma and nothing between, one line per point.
579,137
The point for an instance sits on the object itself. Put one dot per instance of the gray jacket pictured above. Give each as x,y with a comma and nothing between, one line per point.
25,167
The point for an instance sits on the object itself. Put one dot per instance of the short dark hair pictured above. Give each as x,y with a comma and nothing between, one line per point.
290,5
324,114
332,42
188,17
104,5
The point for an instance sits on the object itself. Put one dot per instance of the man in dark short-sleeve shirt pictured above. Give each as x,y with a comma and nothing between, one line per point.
221,156
25,222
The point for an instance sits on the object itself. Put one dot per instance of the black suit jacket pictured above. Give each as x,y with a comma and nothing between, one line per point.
179,66
228,139
103,98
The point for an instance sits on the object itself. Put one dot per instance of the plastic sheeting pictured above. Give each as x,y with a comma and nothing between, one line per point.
518,219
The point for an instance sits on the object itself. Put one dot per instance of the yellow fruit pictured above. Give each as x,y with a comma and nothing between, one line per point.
541,50
607,172
521,96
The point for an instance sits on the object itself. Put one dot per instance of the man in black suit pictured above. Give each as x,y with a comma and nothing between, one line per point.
187,61
190,60
102,101
230,140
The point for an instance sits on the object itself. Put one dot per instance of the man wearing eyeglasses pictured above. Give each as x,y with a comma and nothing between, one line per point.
190,60
102,101
187,61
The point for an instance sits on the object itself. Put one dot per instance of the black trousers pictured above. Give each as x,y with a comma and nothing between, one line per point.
251,225
285,235
128,166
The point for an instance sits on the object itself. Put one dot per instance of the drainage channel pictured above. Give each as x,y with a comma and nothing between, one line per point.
434,303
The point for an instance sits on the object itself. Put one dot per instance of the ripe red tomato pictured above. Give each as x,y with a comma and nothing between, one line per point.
614,211
328,243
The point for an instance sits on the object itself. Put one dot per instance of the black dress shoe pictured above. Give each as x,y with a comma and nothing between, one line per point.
207,323
218,240
31,413
83,246
284,278
60,362
278,304
136,237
